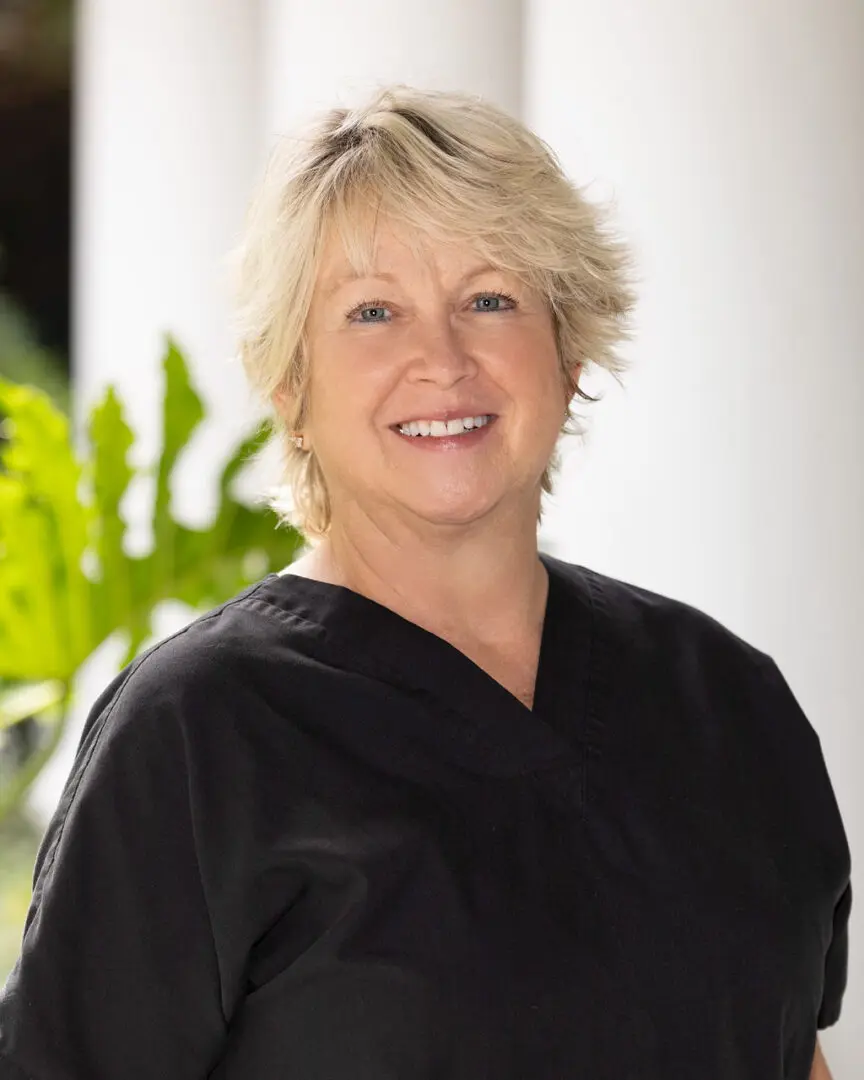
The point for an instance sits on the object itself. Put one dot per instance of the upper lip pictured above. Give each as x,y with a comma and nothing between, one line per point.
444,414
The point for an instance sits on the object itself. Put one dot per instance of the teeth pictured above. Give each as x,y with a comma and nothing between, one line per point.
437,428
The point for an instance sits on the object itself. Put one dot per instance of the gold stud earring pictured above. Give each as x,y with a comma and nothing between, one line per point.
297,439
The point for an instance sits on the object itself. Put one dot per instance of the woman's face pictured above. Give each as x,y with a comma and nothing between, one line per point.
435,339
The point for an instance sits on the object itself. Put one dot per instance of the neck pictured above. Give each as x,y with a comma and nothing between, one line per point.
489,588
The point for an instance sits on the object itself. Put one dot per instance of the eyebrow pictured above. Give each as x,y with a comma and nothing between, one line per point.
346,279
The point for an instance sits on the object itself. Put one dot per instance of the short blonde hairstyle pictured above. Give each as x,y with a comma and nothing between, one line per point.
450,165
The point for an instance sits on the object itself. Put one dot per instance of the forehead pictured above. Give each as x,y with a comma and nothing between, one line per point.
386,248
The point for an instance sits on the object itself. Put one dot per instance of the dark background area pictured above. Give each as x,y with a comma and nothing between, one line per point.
35,181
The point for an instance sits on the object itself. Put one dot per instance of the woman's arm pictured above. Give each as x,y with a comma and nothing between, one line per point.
118,974
819,1069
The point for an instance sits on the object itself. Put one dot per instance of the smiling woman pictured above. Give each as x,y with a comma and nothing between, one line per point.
444,341
428,803
426,213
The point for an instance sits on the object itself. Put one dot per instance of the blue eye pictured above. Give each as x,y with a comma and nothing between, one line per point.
492,301
375,308
376,311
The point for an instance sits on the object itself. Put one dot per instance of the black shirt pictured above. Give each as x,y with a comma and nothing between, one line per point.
306,838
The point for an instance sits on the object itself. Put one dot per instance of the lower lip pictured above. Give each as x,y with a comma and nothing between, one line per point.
447,442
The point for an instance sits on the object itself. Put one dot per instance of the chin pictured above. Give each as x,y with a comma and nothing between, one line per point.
451,512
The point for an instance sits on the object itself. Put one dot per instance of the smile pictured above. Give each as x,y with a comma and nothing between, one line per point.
436,429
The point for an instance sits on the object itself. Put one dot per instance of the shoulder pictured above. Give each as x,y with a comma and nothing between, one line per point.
694,677
653,626
718,709
212,645
184,682
178,715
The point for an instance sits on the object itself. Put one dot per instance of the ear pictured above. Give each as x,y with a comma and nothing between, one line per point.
280,400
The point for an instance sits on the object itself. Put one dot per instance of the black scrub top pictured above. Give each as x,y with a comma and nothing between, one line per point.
305,839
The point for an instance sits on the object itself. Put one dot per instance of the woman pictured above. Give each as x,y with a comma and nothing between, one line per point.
429,804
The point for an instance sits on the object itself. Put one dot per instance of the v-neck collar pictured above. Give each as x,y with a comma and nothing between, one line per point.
487,727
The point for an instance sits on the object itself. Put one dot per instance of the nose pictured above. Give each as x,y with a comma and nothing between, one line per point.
439,353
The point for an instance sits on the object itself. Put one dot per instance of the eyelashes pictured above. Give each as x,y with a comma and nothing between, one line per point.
497,296
366,304
377,303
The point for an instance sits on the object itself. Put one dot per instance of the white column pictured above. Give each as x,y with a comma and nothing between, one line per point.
167,139
731,473
318,53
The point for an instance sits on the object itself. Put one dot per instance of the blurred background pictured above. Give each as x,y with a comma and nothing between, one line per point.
36,43
728,136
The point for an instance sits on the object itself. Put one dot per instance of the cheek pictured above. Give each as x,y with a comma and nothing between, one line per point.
328,398
533,371
553,377
348,389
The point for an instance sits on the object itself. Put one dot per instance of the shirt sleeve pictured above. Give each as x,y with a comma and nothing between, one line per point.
836,962
118,973
830,850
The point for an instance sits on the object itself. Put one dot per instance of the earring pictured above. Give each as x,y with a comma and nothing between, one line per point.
297,439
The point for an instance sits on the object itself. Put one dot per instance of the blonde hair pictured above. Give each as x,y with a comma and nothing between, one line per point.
445,164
